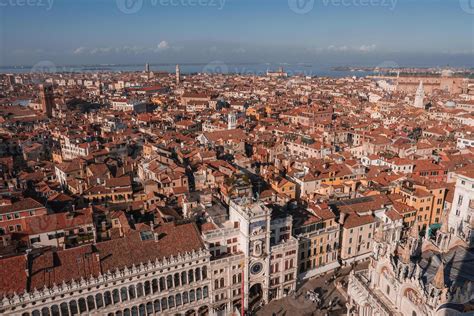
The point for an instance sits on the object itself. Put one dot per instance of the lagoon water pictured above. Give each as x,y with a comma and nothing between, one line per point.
212,67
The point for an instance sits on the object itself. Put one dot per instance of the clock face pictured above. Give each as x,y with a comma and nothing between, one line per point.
256,268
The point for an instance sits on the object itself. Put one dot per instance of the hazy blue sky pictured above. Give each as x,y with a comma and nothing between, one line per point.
418,32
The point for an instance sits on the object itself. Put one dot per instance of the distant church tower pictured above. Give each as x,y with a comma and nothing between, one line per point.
231,121
147,68
178,74
47,99
420,96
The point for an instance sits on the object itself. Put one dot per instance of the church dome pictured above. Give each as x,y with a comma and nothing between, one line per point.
450,104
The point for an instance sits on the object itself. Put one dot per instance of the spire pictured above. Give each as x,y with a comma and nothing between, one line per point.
178,74
444,223
420,87
379,234
420,96
438,280
414,232
405,254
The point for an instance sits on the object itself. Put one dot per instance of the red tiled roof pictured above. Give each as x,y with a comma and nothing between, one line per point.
13,277
355,220
23,205
54,267
130,250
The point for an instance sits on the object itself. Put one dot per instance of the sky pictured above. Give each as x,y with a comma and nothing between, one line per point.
336,32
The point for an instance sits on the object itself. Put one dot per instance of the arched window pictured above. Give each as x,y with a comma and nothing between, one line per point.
82,305
204,272
184,279
90,302
192,297
147,287
73,307
198,294
34,313
197,274
222,282
216,284
99,301
169,281
149,308
134,311
154,285
45,311
171,301
185,298
131,292
176,279
64,309
234,279
205,292
178,299
126,312
164,304
413,313
107,298
55,310
157,305
162,284
190,276
118,313
139,290
141,310
124,295
239,277
116,296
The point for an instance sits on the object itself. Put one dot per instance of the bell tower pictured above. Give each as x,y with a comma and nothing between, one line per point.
47,99
420,96
178,75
